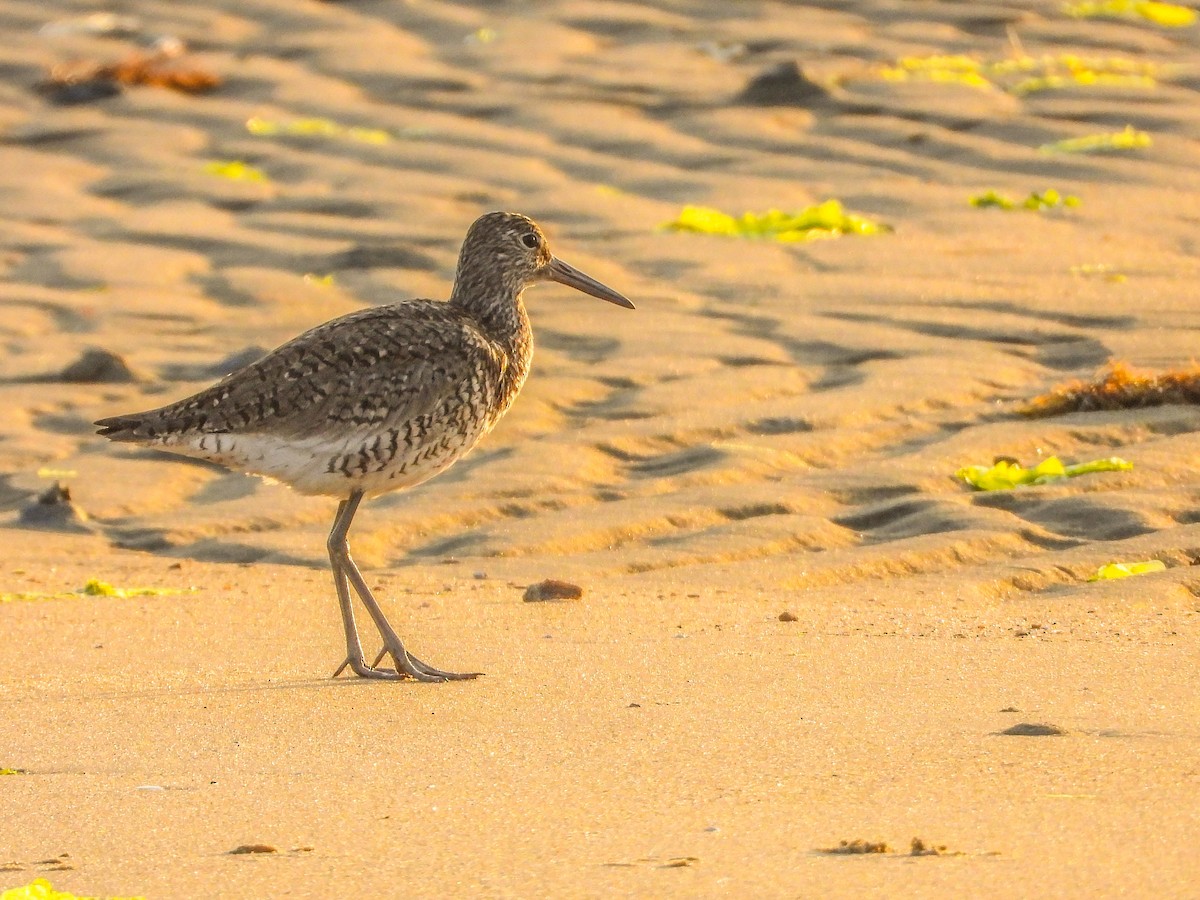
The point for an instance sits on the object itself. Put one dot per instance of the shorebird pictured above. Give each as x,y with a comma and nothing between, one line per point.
377,400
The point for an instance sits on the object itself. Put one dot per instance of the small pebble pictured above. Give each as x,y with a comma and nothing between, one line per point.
552,589
788,616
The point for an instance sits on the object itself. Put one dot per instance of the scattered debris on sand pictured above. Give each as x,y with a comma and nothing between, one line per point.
252,848
83,81
857,846
920,848
1034,729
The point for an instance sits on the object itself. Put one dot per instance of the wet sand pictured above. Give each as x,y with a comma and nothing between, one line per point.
775,429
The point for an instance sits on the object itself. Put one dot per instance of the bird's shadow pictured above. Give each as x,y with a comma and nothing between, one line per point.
297,684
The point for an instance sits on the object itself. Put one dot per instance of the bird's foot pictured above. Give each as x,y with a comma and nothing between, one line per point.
360,668
414,668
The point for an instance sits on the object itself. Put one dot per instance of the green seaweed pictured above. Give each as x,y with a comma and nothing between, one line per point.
1004,474
824,220
1124,570
1168,15
1021,75
94,587
48,472
234,170
943,69
323,128
1099,270
41,889
992,199
482,36
1036,201
1127,139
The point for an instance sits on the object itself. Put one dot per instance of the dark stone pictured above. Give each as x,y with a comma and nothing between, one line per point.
53,509
97,366
783,84
74,93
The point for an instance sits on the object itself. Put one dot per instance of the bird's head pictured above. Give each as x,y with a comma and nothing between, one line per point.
511,248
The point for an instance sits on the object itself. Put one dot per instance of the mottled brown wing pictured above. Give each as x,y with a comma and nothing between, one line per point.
370,369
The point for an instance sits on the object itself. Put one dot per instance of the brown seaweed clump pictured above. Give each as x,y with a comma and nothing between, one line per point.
156,70
857,846
82,82
1119,388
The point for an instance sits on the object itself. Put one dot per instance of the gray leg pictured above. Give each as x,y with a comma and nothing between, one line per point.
354,652
405,662
346,571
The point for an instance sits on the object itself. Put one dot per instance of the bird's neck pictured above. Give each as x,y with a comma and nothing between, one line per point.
499,312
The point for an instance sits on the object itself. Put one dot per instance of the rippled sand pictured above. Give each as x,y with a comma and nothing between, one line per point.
776,428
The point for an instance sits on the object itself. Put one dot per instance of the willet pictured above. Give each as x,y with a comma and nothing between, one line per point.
377,400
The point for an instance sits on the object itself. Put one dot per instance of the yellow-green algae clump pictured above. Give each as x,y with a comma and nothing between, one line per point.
41,889
1021,75
323,128
1124,570
824,220
1005,474
1036,201
234,170
1127,139
1168,15
94,587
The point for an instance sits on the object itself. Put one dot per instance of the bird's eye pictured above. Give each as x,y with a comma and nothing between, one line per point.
531,240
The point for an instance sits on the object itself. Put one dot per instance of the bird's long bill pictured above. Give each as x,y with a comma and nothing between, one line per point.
570,276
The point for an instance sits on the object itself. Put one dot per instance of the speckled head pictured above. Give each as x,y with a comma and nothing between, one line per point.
504,253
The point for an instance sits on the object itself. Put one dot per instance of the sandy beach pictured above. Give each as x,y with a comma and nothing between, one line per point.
799,628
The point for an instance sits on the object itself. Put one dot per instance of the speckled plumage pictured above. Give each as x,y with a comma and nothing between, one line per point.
379,399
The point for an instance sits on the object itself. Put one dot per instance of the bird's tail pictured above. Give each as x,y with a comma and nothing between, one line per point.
134,428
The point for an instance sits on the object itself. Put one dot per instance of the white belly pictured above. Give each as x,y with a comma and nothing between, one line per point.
331,467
